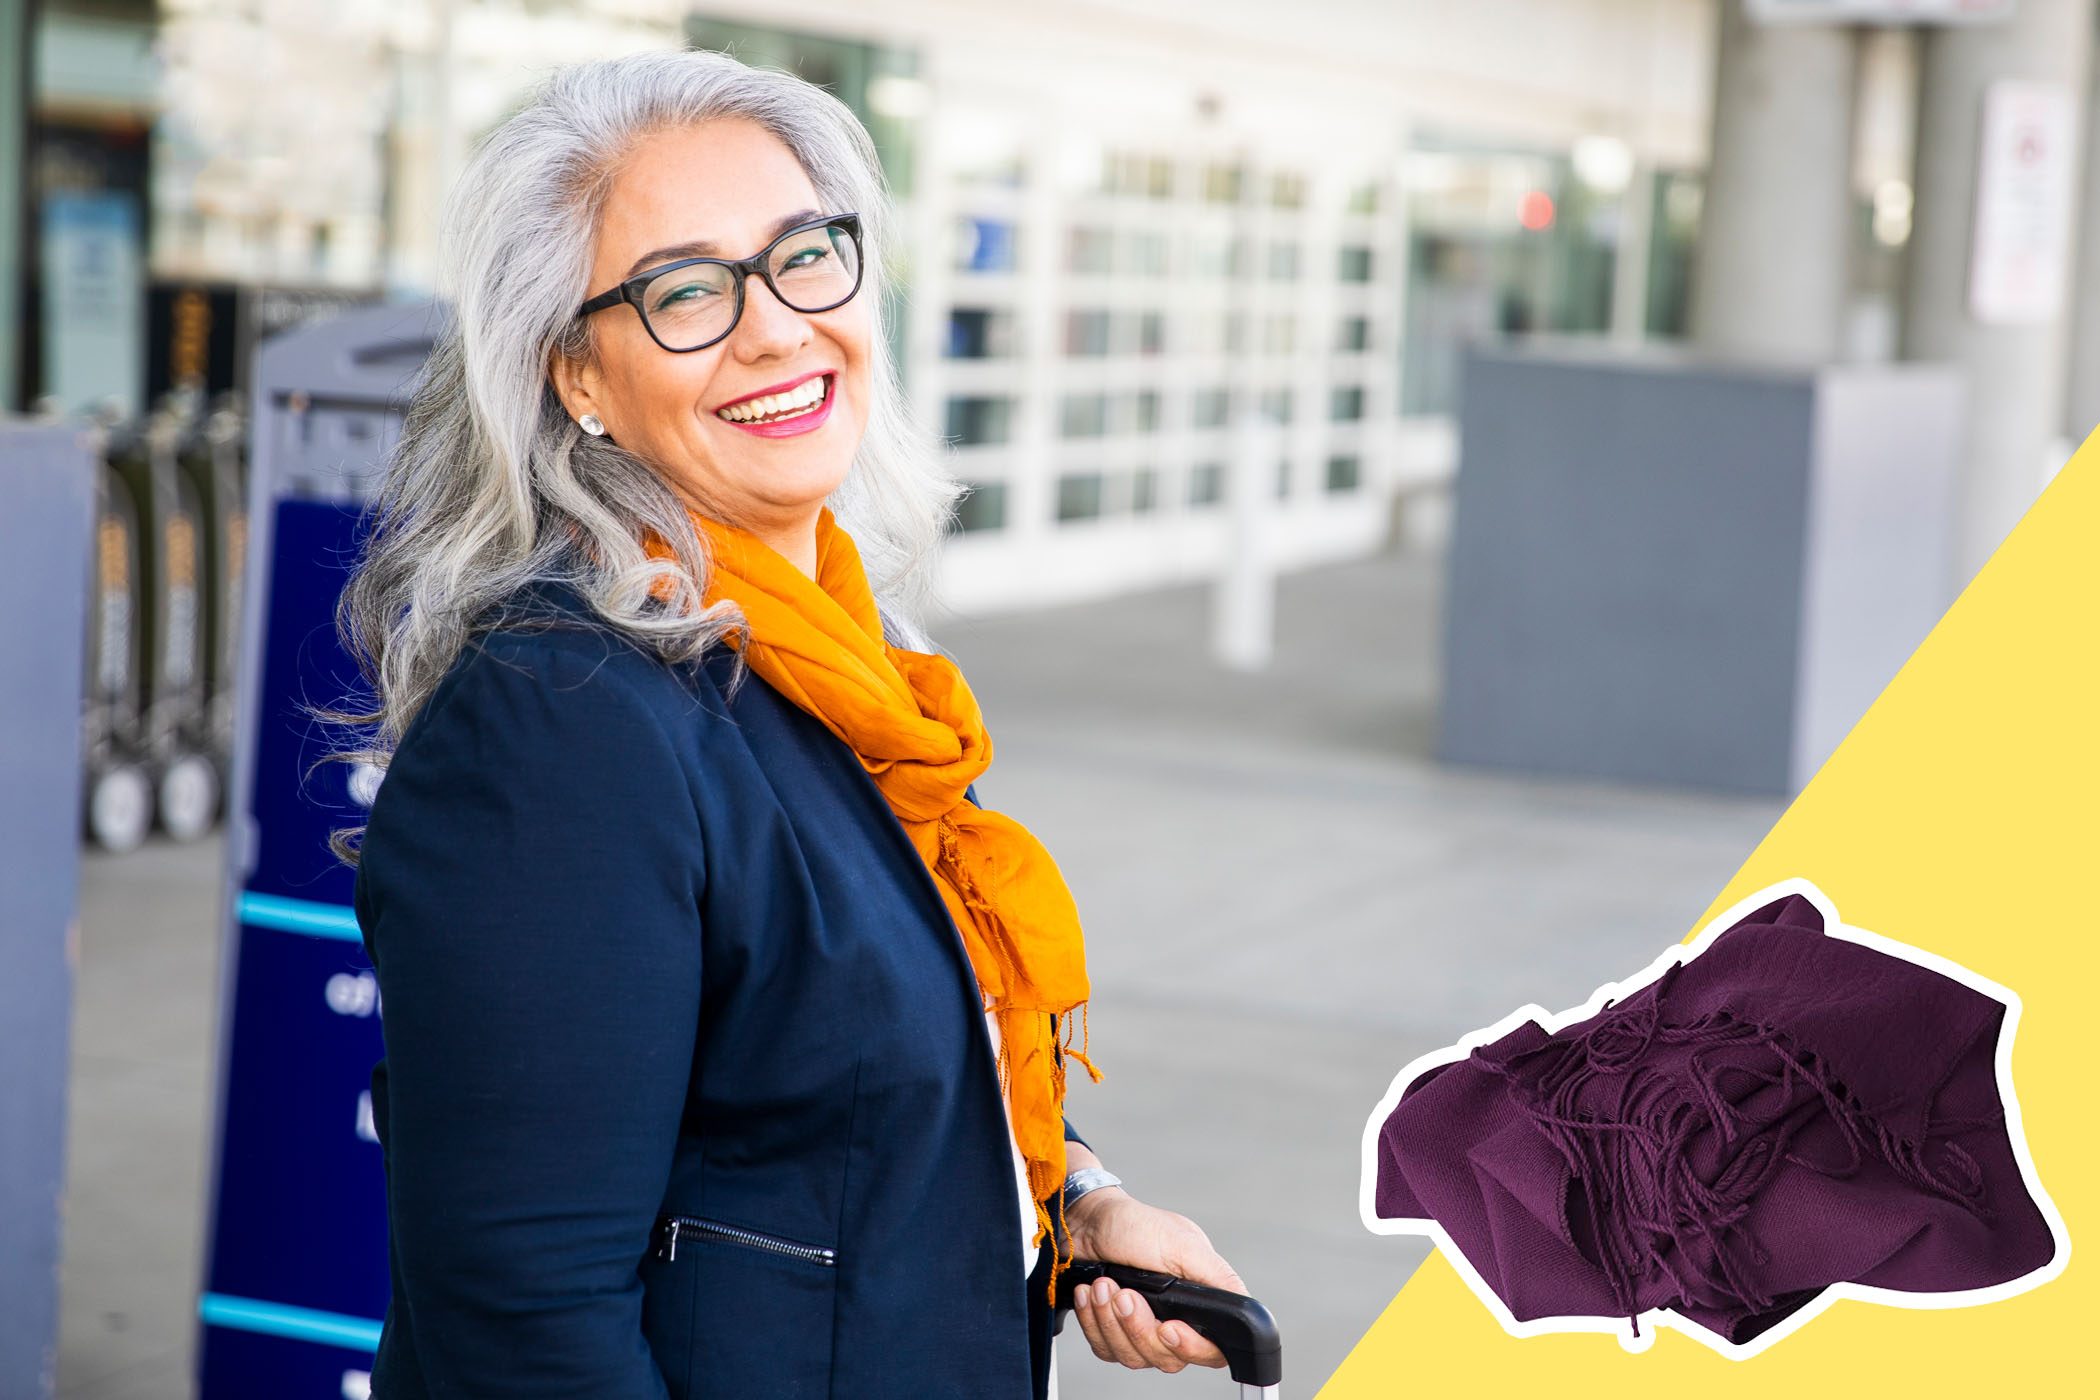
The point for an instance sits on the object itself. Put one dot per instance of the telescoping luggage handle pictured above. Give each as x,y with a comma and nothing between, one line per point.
1238,1325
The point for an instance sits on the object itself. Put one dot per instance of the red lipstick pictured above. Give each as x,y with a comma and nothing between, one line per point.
809,420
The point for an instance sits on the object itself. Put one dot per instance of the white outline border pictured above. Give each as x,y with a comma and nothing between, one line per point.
1656,1319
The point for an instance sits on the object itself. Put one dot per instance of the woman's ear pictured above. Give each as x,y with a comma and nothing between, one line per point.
575,384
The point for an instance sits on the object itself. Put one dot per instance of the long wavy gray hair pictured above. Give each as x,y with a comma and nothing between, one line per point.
492,486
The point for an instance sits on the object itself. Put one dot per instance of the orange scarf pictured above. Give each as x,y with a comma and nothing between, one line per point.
910,718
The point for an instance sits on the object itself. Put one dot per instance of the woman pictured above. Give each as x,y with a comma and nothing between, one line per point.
725,1033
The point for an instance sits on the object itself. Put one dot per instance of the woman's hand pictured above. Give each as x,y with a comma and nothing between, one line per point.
1115,1227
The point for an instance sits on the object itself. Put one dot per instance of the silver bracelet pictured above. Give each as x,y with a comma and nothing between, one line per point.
1086,1179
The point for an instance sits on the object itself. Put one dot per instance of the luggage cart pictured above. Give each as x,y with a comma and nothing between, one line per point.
1238,1325
206,529
172,669
218,459
118,810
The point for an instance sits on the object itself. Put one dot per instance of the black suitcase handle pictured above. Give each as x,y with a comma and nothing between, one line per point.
1236,1324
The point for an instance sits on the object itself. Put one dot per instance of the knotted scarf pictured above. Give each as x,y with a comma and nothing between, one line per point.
916,728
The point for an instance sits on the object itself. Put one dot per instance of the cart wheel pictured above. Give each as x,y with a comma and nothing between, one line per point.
189,797
120,808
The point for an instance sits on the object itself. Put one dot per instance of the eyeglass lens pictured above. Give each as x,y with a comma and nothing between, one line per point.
815,270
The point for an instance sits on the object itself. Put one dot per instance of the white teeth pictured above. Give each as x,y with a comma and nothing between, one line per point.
803,396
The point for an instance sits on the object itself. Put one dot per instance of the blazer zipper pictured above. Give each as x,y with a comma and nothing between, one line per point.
671,1227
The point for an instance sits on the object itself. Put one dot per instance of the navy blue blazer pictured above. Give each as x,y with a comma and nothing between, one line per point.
686,1088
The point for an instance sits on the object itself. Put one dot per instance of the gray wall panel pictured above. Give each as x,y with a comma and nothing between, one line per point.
1668,568
46,524
1625,570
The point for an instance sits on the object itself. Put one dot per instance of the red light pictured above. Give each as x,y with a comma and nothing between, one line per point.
1537,210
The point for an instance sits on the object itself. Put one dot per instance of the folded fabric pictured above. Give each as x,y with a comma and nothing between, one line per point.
1780,1113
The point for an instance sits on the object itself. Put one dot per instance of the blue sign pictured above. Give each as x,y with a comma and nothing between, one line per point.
296,1283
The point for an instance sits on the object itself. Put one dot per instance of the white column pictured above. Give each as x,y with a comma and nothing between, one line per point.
1773,271
1244,598
2082,391
2012,354
1031,496
1629,263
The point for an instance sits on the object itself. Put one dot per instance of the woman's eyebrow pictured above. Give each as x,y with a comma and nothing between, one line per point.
707,248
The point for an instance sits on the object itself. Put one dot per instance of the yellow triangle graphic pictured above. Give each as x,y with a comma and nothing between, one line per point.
1962,816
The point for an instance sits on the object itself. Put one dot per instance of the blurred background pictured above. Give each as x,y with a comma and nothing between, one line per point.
1442,475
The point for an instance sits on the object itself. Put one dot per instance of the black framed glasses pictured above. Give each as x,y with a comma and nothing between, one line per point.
695,302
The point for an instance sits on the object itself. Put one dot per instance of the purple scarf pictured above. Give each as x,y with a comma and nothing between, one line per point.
1783,1112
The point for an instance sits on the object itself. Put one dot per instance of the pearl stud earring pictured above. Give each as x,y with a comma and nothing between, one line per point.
592,424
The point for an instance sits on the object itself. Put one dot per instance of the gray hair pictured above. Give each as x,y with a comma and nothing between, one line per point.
493,487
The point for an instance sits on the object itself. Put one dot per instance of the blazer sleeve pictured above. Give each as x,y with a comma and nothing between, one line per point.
529,893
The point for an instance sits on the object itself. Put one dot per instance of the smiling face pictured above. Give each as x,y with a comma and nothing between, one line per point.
733,184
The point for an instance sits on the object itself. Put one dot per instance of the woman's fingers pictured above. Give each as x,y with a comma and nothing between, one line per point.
1095,1322
1174,1344
1120,1346
1120,1326
1133,1312
1114,1342
1190,1345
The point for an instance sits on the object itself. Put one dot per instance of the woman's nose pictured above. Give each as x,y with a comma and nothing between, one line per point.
769,326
